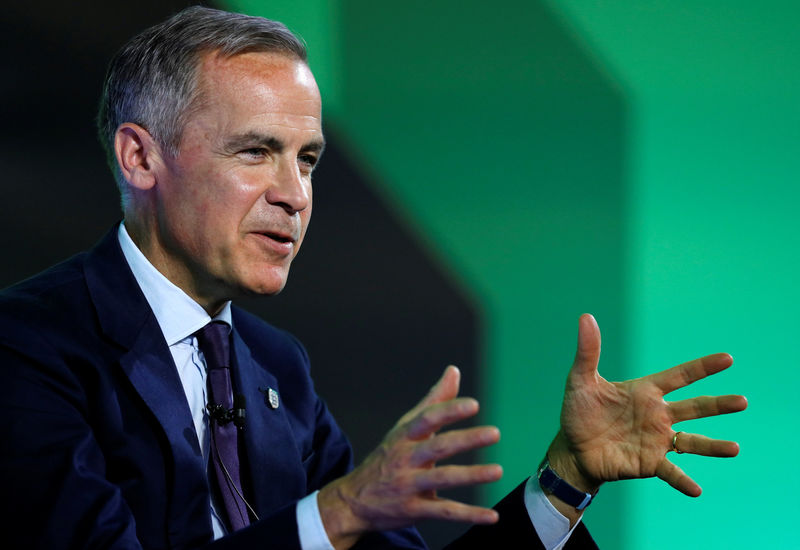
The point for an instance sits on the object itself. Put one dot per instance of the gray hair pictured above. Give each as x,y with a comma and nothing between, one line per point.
152,80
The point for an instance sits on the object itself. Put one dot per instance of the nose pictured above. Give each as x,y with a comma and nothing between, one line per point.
290,189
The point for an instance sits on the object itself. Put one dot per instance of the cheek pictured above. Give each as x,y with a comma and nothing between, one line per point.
228,202
193,194
305,216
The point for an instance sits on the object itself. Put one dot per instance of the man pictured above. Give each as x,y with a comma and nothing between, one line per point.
144,410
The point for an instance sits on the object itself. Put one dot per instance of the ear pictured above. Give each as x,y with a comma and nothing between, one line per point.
138,155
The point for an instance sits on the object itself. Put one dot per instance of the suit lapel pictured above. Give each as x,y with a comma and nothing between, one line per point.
275,464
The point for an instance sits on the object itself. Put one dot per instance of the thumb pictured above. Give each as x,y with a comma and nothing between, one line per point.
587,357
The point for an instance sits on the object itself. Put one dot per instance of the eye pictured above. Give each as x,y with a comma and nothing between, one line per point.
254,153
307,161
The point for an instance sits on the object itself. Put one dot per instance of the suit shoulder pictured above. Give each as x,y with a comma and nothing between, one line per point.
264,338
56,293
47,325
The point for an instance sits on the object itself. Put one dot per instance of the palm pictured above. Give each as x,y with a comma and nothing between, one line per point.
617,430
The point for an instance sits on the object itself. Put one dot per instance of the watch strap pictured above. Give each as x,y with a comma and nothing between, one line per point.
550,482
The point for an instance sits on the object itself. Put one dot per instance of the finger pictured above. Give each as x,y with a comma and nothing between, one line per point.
669,472
705,446
587,355
687,373
450,476
703,406
451,510
433,418
453,442
446,388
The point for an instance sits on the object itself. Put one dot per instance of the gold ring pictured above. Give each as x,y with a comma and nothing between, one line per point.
675,442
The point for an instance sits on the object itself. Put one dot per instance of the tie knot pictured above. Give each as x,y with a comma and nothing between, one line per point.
213,339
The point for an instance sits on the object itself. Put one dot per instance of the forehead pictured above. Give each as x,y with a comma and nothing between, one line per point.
257,84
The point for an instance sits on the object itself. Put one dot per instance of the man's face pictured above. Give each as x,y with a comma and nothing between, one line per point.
233,206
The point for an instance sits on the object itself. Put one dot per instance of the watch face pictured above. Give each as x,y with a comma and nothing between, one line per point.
542,466
548,479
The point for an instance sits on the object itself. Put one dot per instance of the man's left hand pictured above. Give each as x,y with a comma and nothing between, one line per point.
623,430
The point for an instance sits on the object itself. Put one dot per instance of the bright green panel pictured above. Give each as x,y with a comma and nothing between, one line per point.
700,49
716,153
719,231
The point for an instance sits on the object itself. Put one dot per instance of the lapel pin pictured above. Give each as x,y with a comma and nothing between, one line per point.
270,397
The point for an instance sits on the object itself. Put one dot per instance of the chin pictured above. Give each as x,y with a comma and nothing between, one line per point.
267,284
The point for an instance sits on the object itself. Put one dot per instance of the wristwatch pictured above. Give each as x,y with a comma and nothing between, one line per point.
551,483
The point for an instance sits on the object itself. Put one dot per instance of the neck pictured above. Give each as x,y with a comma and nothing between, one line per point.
178,273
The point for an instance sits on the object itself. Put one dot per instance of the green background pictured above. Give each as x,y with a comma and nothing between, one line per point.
637,160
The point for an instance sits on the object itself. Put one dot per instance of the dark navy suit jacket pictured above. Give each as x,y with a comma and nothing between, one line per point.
98,444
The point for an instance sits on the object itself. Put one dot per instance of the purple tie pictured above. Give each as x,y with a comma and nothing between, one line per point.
213,339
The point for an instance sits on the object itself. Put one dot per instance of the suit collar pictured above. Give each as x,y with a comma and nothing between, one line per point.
125,317
122,309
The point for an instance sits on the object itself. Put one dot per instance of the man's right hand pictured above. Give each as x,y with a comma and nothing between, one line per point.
396,484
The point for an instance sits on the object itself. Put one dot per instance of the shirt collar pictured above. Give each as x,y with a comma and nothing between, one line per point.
177,314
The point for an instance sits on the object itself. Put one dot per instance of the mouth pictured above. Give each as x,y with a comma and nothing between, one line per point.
279,237
278,242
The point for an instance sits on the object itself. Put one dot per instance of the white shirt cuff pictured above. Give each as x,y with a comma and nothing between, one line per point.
309,525
551,526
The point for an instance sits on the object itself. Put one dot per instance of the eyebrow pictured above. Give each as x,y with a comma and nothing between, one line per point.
254,139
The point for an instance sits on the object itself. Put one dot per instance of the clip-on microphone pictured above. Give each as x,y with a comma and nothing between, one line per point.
237,414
